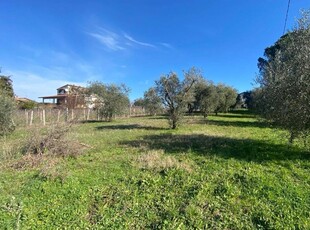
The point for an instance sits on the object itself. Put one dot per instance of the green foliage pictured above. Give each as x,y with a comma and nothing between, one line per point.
152,102
111,99
7,108
226,98
139,102
6,87
245,100
176,94
7,105
214,98
284,80
206,97
27,104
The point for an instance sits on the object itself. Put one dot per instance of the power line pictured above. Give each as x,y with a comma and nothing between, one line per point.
288,7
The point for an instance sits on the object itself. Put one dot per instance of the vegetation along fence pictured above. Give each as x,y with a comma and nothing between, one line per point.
49,116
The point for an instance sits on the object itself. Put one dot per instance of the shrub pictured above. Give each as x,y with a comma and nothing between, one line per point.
7,107
54,142
27,105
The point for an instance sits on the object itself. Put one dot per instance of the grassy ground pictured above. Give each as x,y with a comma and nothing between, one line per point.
233,172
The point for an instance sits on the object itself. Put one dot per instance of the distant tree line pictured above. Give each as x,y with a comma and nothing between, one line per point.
211,98
193,93
169,95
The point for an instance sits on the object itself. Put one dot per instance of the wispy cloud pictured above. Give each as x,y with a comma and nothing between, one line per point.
109,40
116,42
138,42
167,45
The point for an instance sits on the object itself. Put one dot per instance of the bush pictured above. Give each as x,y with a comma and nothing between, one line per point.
27,105
54,142
111,99
7,107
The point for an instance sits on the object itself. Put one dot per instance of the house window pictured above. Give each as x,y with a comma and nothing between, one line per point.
61,91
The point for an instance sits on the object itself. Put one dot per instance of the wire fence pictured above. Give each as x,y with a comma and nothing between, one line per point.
50,116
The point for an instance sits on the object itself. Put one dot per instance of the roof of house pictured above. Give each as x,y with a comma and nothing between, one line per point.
74,86
54,96
62,95
23,99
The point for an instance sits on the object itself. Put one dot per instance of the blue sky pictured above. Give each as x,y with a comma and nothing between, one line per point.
46,44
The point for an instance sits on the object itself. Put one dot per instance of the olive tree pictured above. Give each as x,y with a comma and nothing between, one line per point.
284,78
6,86
206,98
111,100
139,102
226,98
7,105
152,102
176,94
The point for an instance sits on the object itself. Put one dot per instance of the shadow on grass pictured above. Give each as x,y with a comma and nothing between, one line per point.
160,117
235,116
247,150
94,121
129,127
238,114
241,124
242,112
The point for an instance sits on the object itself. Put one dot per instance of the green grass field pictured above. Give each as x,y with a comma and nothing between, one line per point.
233,172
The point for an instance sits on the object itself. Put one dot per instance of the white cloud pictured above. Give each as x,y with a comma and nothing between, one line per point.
138,42
116,42
33,86
108,38
109,41
37,76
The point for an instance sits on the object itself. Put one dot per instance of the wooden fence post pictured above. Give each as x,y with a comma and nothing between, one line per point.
66,114
40,115
43,117
58,115
27,118
31,117
88,112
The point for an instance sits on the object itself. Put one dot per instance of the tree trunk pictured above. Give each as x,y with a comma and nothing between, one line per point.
292,137
174,118
174,124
